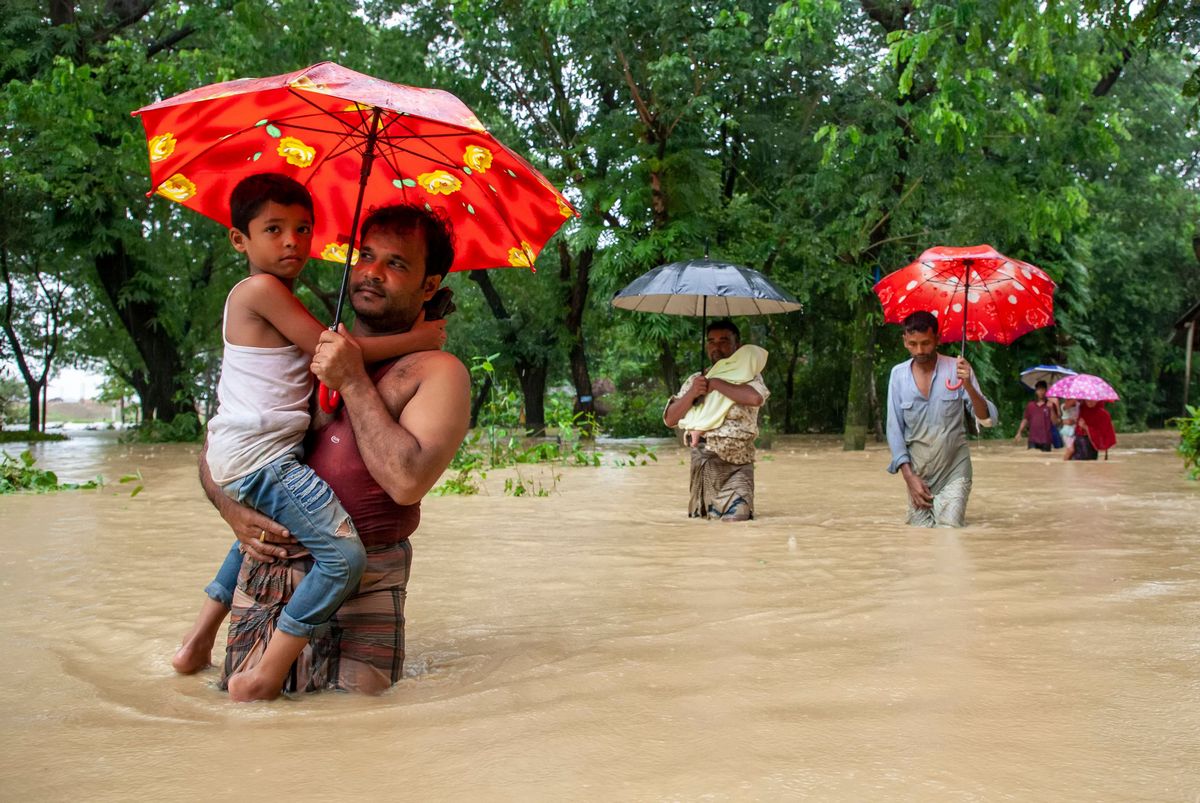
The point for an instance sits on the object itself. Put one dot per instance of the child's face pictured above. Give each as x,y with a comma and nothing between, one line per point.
278,241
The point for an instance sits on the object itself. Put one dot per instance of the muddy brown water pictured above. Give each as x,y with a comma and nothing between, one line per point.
596,644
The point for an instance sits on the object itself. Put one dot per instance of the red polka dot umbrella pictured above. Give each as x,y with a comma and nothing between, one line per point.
976,293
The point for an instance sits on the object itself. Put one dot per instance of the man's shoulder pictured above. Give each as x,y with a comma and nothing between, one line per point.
421,366
900,367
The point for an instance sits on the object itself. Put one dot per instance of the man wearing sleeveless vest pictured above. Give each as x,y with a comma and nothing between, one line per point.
413,412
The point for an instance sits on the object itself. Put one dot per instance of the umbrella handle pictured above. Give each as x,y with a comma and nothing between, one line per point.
329,400
953,385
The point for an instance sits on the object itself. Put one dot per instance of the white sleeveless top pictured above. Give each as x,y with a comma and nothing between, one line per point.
262,407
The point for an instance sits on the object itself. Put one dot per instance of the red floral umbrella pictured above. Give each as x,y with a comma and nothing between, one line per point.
976,293
331,129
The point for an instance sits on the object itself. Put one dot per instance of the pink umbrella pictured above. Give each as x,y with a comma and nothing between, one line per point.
1084,387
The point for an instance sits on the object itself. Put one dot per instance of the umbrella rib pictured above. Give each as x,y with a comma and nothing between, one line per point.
500,208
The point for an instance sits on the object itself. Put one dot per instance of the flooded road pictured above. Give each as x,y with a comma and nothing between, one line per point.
596,644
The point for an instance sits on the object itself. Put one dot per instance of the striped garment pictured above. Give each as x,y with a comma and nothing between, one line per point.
720,489
361,649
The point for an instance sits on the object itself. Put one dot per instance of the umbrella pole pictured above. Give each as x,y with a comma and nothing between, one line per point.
966,307
326,398
955,384
703,327
364,174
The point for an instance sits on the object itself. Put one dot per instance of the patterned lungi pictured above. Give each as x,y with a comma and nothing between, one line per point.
720,489
361,648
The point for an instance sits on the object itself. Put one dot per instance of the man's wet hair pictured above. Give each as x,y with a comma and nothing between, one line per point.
920,321
254,192
400,219
726,325
1041,383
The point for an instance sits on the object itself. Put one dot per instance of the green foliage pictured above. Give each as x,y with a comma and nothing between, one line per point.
816,140
1189,440
24,436
183,428
21,475
640,455
499,442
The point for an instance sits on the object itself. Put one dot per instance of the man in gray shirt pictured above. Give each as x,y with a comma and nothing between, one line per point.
925,426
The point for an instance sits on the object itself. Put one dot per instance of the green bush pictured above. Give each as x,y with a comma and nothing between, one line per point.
1189,440
21,475
635,414
183,428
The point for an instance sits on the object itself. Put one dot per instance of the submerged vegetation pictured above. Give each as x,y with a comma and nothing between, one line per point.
499,440
20,474
1189,440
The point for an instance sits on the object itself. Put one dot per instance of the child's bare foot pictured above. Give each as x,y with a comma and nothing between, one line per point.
249,686
196,651
193,655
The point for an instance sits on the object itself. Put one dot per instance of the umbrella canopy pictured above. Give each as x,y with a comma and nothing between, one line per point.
703,287
1044,373
328,127
1084,387
976,293
331,128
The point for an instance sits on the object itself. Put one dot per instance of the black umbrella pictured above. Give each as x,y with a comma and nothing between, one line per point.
704,287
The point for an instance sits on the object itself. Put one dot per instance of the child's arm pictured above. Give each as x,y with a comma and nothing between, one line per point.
268,298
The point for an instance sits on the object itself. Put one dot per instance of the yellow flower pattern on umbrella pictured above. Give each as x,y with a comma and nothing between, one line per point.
162,146
296,152
336,252
563,209
178,188
439,182
522,257
478,158
304,82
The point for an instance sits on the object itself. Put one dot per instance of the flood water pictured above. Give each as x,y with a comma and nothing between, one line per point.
596,644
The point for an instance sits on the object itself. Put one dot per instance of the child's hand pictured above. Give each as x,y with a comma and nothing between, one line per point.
428,335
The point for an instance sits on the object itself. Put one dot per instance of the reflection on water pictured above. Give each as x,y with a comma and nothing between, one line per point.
597,643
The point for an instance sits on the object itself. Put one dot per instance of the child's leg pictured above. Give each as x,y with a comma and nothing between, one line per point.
195,653
292,494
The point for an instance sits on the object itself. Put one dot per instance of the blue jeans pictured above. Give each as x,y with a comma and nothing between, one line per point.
292,494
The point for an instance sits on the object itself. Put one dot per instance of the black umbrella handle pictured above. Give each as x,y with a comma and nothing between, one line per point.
330,400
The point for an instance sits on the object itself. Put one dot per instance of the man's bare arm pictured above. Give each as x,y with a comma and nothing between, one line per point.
678,408
406,456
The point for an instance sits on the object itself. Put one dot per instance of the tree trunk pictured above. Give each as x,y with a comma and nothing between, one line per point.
873,391
789,388
581,378
162,395
858,407
532,376
35,406
670,368
477,405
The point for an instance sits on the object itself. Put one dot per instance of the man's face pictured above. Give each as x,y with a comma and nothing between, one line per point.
1040,393
922,346
720,343
389,285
